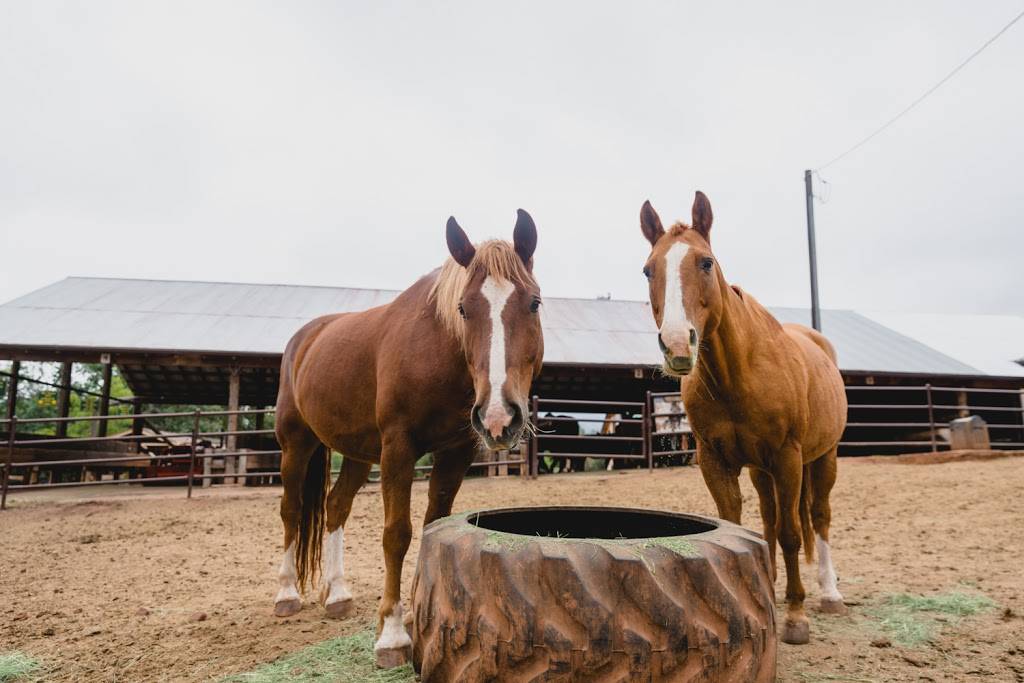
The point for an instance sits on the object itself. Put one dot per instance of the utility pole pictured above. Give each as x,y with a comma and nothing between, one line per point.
812,253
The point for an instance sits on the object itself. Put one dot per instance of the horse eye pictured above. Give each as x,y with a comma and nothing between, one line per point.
705,264
647,272
462,311
693,336
534,305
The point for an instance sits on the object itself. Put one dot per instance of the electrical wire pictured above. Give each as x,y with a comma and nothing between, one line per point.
928,92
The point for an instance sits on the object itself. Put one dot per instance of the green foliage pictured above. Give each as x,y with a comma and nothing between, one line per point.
344,660
16,666
907,617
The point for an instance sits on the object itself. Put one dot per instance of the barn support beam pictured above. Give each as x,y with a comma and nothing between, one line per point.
64,398
12,390
137,423
234,464
104,409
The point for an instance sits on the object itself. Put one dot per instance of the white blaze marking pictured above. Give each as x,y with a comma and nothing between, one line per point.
675,329
335,588
393,635
287,576
826,572
497,293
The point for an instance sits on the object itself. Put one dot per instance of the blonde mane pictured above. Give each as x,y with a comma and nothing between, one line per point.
496,258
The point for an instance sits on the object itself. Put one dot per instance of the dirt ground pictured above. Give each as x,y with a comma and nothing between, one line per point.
111,588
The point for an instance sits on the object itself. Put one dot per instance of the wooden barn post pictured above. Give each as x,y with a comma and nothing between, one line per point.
101,425
12,389
64,398
236,463
136,422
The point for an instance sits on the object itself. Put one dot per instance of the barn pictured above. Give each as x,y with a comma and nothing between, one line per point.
219,344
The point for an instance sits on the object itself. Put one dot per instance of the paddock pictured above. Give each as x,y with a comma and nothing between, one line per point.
110,583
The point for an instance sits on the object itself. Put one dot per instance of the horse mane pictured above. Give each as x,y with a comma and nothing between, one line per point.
495,258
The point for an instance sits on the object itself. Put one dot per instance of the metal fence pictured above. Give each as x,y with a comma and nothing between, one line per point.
880,419
915,418
197,448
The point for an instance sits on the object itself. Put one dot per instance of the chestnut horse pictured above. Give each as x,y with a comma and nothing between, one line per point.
758,394
444,368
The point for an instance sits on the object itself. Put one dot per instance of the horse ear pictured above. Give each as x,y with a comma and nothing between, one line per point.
459,246
650,223
524,236
702,215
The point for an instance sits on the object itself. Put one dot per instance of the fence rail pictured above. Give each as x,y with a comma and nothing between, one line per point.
193,444
632,431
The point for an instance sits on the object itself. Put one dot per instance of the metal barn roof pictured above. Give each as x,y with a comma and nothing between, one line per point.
252,319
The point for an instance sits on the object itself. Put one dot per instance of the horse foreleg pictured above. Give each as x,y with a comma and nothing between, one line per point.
823,477
446,479
398,460
788,478
765,487
334,593
723,483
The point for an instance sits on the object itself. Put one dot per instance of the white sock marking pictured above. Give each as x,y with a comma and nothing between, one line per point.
287,576
393,635
675,328
497,293
335,588
826,572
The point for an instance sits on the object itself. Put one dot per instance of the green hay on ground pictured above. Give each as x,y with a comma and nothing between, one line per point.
677,544
344,660
16,666
907,618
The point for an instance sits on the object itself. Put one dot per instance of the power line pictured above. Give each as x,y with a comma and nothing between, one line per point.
928,92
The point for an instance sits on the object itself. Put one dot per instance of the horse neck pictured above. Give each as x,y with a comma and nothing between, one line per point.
417,304
724,348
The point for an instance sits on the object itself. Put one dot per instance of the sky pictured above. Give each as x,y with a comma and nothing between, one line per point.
327,143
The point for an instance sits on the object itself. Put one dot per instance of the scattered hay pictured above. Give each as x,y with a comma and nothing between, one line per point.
345,660
16,666
907,617
677,544
508,542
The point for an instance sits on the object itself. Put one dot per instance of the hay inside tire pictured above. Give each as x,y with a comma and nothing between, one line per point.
592,593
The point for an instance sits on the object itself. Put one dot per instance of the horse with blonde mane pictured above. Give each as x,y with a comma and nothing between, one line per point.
445,368
758,394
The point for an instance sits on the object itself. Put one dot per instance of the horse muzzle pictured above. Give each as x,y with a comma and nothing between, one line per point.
499,432
675,365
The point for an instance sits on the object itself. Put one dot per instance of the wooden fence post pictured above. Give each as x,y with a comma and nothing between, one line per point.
12,428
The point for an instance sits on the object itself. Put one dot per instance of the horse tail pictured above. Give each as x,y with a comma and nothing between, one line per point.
311,524
806,526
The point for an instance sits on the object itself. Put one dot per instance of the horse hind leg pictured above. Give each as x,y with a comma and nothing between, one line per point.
297,449
823,476
334,592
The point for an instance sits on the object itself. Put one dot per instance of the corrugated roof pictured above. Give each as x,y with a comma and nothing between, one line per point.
214,317
992,343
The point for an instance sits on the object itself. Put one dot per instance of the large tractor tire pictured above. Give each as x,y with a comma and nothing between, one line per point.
592,594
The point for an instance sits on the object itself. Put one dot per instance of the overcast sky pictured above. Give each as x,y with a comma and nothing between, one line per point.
327,143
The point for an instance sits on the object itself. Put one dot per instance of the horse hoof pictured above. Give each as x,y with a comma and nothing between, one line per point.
391,657
796,632
833,607
339,609
287,608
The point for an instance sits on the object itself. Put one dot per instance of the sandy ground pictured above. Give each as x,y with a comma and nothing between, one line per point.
109,587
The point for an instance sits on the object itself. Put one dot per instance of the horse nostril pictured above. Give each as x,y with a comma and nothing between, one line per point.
661,344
